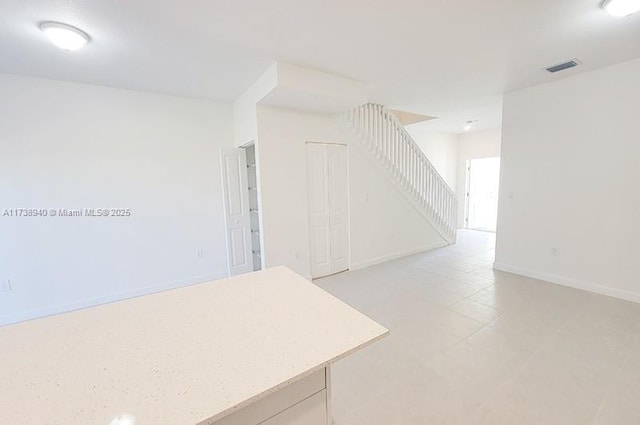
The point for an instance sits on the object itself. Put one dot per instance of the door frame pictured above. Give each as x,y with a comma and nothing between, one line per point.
467,191
259,194
348,187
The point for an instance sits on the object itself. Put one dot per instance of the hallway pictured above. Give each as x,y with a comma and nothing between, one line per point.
470,345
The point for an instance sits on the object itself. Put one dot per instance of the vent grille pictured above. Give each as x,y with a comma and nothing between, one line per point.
563,66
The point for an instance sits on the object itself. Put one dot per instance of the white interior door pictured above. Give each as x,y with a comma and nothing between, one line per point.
236,208
483,183
328,208
338,208
318,181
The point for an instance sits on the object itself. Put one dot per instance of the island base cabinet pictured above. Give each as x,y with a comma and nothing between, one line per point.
304,402
312,411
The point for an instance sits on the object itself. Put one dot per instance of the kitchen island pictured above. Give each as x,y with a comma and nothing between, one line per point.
251,349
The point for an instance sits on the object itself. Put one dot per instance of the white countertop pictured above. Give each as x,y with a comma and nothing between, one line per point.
178,357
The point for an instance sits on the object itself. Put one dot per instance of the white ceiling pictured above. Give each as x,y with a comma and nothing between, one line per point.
451,59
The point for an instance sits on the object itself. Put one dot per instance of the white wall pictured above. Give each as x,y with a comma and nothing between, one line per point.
474,145
245,117
440,148
570,181
383,225
65,145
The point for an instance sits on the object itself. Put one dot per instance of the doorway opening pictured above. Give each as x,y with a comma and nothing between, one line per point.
328,208
483,181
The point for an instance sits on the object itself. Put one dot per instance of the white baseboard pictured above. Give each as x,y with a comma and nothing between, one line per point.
570,282
78,305
396,255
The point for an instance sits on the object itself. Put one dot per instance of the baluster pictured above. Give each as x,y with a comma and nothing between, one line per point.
372,133
377,118
446,211
392,133
432,192
420,169
424,184
409,162
385,139
417,162
380,134
365,125
438,199
392,145
388,135
415,168
452,215
412,168
383,131
396,143
373,127
452,219
374,110
407,148
401,166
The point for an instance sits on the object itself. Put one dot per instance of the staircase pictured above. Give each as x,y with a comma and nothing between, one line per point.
388,143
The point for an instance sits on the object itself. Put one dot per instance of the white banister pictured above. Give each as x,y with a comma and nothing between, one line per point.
386,138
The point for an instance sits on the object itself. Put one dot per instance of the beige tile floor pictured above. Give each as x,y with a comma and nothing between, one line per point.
470,345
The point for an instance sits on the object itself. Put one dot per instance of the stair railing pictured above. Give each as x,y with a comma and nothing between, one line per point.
386,138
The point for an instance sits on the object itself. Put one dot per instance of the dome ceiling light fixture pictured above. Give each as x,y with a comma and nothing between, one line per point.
621,8
65,36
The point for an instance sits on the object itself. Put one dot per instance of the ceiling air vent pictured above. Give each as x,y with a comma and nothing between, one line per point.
563,66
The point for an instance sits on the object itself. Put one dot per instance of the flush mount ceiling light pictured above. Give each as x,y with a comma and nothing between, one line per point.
620,8
65,36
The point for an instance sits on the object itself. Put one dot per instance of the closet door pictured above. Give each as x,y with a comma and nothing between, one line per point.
328,208
319,214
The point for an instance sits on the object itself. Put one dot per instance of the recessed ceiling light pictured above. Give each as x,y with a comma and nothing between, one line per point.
65,36
469,125
620,8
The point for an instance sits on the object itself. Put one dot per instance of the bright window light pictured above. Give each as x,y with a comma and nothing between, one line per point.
65,36
620,8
